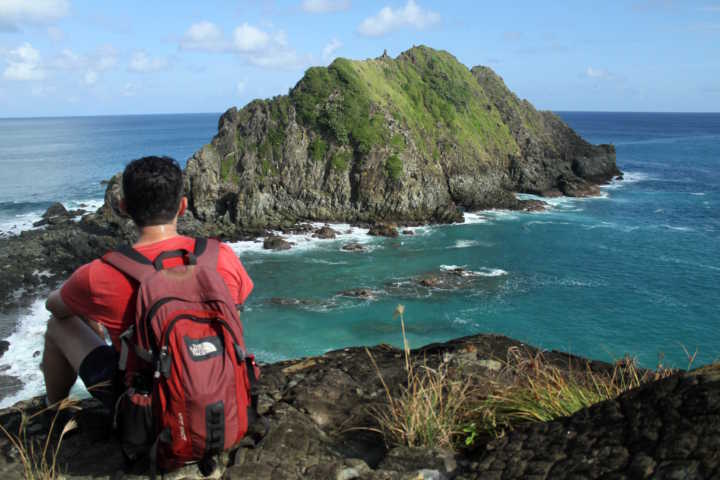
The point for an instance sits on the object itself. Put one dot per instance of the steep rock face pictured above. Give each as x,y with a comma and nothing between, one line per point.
414,139
552,156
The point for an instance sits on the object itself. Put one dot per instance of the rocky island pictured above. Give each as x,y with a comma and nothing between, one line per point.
418,138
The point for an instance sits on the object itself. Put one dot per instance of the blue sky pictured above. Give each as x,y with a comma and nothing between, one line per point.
76,57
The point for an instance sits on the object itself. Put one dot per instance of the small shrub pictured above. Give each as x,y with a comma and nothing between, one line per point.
227,167
267,167
341,160
317,149
397,142
394,167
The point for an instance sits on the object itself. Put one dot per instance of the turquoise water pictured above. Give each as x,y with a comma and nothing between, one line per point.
634,272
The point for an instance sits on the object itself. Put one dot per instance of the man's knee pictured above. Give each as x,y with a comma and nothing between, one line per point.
54,331
72,337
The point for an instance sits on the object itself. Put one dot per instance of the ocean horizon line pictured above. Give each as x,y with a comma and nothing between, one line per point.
159,114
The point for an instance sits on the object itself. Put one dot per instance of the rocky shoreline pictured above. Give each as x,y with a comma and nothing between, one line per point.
317,411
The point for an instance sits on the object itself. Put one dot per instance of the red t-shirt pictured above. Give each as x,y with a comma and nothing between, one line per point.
100,292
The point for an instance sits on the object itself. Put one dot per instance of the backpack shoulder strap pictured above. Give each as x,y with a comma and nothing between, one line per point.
206,251
130,262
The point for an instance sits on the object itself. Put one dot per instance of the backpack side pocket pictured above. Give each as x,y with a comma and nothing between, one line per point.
134,422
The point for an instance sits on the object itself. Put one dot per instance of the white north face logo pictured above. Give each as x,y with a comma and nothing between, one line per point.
201,349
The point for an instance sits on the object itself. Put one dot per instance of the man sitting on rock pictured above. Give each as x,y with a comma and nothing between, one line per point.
97,295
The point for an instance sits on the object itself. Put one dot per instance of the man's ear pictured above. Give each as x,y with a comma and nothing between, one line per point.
183,206
122,207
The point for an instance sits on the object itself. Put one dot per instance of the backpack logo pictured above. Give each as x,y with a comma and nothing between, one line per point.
204,348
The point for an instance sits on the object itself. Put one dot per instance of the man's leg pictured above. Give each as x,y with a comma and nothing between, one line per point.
68,342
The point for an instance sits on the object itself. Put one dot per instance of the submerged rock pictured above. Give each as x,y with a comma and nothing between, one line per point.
325,232
384,230
276,243
353,247
358,293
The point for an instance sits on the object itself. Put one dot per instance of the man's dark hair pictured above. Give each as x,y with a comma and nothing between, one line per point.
152,187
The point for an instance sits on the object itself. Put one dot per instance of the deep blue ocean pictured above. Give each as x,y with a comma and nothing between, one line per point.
635,272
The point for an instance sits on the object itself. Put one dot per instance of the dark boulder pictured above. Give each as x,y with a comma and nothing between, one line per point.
55,214
353,247
358,293
325,233
384,230
276,243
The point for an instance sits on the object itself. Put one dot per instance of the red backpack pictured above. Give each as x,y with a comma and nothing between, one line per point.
187,374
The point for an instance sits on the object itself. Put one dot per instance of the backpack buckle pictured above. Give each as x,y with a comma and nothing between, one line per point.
164,363
240,353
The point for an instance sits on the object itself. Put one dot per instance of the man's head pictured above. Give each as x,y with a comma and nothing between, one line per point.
152,190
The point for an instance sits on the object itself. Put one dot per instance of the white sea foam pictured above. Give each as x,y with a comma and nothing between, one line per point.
677,228
628,178
24,221
465,243
22,359
305,241
473,218
482,272
19,223
698,194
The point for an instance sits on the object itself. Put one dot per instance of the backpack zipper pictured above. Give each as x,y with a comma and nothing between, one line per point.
151,313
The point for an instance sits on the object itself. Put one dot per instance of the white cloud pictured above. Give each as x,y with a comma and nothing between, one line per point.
411,15
40,90
255,45
204,36
68,60
591,72
129,90
16,12
240,87
24,63
104,58
141,62
91,77
247,38
325,6
330,49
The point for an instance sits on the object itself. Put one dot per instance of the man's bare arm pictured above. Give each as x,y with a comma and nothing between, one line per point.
59,310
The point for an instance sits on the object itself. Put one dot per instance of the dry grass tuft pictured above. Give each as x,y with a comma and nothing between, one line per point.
39,458
442,408
542,392
429,410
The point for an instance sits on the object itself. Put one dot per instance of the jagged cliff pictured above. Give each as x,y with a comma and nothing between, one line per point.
413,139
